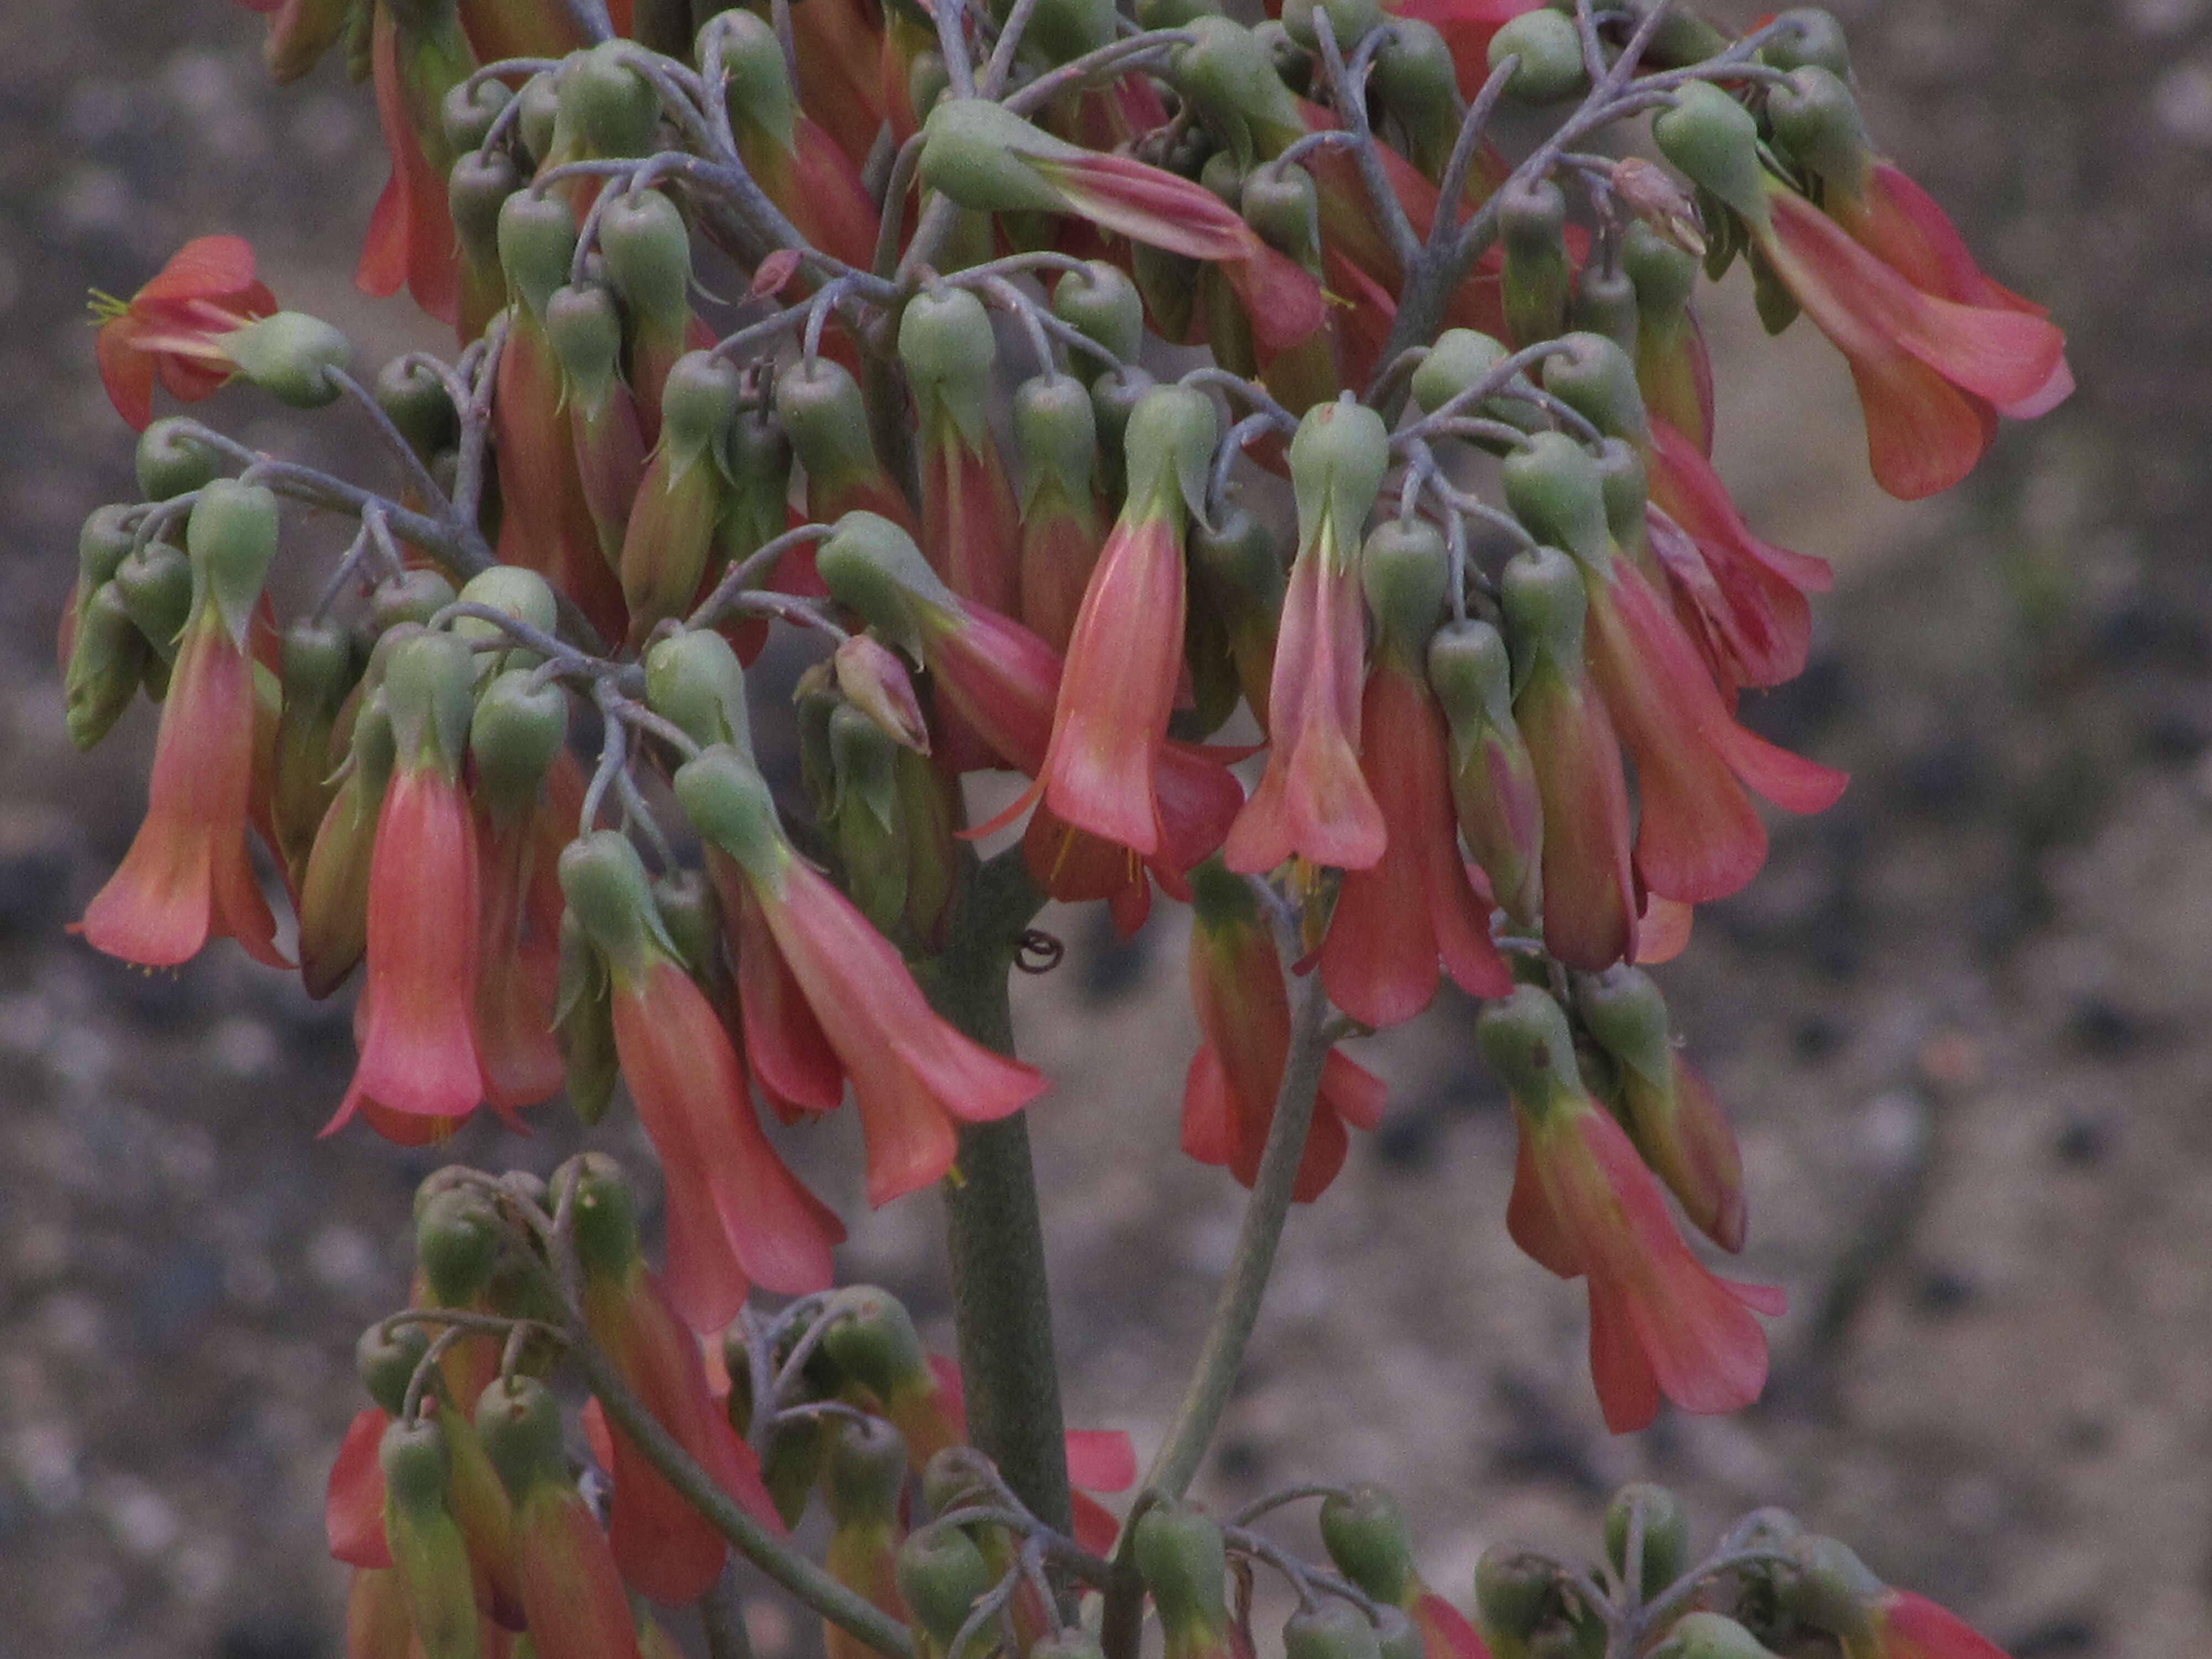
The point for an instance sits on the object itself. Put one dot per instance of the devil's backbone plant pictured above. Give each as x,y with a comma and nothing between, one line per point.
1213,421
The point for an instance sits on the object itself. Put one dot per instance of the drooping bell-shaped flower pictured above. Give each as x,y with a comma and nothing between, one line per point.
416,1024
584,328
646,247
428,1551
794,161
671,535
1467,27
971,530
665,1549
1313,801
417,54
985,157
1932,373
1414,906
1057,432
839,84
1676,1123
1243,1011
819,404
736,1216
1584,1205
913,1076
1589,887
1493,779
1125,655
1698,836
1826,1587
1365,1535
187,875
570,1589
172,330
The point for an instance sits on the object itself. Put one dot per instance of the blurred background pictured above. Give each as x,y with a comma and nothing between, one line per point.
1965,1020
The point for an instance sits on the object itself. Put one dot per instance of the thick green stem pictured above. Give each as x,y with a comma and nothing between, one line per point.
1237,1308
1001,1305
771,1554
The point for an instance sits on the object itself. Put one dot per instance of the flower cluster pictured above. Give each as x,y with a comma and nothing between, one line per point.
1403,641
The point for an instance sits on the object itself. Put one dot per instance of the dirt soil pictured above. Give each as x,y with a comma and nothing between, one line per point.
1965,1020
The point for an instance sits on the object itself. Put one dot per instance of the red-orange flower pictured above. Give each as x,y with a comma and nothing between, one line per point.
913,1076
171,329
410,229
1244,1012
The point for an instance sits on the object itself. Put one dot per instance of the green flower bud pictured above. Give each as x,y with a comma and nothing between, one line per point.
760,91
467,112
872,1339
1597,378
1460,358
1526,1040
1471,674
1404,571
1180,1553
413,1457
1350,21
1710,1636
1416,80
155,584
1531,220
1551,52
729,804
684,900
1769,295
609,892
232,538
106,663
984,156
1621,481
939,1573
1292,63
1666,1523
1831,1588
1114,396
1337,457
1544,602
541,116
1175,13
412,596
514,591
698,400
1101,304
537,243
584,327
102,546
871,566
1807,36
605,1209
518,731
1364,1534
1713,138
1061,30
1665,274
647,249
1282,204
286,354
928,80
430,683
414,399
1603,302
866,1473
606,107
386,1358
1330,1630
1056,434
173,459
1818,120
1515,1590
1167,449
1553,486
820,407
949,1482
584,1025
946,347
457,1235
694,679
518,1422
1228,75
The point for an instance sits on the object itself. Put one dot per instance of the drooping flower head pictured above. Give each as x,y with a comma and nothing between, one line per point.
1313,801
187,875
1932,373
172,329
1414,907
913,1076
1584,1205
1243,1011
736,1216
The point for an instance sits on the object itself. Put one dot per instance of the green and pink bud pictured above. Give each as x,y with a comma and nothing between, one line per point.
970,529
1495,795
670,538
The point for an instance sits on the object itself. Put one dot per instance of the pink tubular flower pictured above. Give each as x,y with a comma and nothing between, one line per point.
1932,374
171,329
519,957
410,229
1244,1012
1584,1205
1741,599
1395,919
1903,1625
186,876
913,1075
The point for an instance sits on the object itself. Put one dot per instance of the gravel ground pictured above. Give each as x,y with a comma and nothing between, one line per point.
1965,1020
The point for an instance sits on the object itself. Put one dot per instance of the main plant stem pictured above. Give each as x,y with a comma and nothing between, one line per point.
1237,1308
1001,1304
